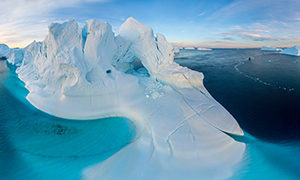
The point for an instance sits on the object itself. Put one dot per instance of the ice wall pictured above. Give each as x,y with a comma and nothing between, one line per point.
88,73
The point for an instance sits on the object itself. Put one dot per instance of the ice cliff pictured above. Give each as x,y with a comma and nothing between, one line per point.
89,73
293,51
270,48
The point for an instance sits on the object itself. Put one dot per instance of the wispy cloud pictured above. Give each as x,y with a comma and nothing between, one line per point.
22,21
250,33
201,14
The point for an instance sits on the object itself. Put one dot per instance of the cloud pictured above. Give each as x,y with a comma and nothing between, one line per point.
261,9
201,14
22,21
227,39
249,33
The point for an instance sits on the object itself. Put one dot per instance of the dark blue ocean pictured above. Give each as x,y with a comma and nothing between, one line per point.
262,94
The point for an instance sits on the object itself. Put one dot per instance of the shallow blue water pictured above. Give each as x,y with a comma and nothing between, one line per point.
262,94
34,145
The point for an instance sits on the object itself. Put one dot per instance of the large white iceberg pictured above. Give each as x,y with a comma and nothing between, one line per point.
270,48
293,51
4,50
88,73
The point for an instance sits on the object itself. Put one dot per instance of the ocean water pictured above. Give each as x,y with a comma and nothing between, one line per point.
262,94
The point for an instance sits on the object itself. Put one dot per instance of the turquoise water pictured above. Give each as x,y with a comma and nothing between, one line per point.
262,94
34,145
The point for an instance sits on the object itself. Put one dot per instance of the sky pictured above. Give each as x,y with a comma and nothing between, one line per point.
198,23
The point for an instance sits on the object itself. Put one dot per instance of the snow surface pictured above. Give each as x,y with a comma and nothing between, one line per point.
270,48
4,50
88,73
293,51
204,49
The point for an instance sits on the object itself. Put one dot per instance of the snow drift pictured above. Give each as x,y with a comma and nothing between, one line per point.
89,73
293,51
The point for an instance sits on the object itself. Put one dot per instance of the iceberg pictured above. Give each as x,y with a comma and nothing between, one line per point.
16,56
189,48
270,48
89,73
4,50
176,50
293,51
204,49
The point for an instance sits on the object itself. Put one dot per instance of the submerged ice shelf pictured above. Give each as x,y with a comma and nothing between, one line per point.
89,73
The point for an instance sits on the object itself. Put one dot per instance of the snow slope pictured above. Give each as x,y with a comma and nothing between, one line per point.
88,73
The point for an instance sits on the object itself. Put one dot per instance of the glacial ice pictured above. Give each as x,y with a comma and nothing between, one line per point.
270,48
16,56
204,49
176,50
189,48
4,50
293,51
89,73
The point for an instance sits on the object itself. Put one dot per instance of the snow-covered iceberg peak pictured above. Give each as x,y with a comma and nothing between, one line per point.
88,73
270,48
73,61
152,51
293,51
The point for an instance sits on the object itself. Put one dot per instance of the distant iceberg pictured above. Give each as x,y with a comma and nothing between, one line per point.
204,49
89,73
189,48
270,48
293,51
16,56
4,50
